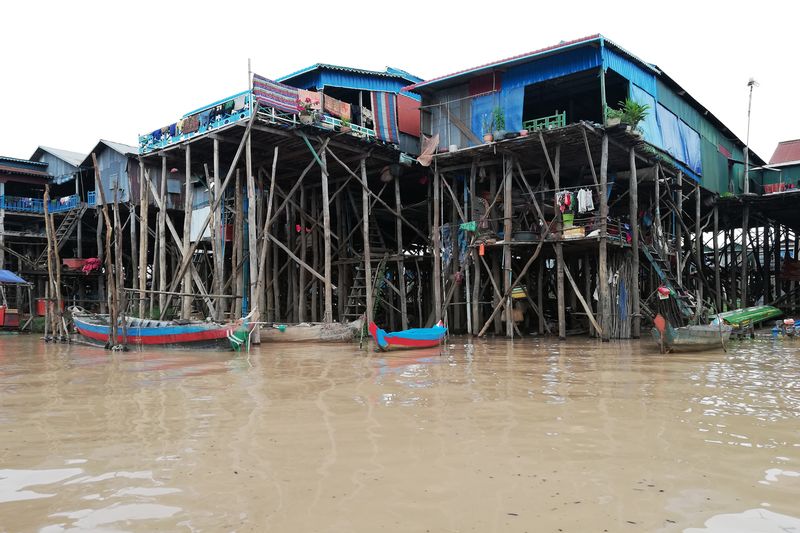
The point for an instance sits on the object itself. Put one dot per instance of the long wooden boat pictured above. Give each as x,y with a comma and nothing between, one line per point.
689,338
311,332
748,316
188,334
409,338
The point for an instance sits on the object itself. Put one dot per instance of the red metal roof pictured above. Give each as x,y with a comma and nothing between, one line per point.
563,44
785,152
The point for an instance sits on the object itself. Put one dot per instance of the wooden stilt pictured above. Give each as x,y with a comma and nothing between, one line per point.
326,221
144,207
365,237
679,231
188,190
507,237
745,255
540,296
315,237
218,245
605,300
101,282
437,252
252,242
633,208
717,281
401,268
162,239
238,246
698,247
559,250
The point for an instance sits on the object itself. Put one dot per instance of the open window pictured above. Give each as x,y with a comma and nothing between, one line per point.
570,99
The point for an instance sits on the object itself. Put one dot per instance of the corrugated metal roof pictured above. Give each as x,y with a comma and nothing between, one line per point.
521,58
388,73
73,158
786,152
23,161
124,149
12,169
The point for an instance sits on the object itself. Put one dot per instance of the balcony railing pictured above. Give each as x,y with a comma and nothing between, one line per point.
21,204
559,120
90,199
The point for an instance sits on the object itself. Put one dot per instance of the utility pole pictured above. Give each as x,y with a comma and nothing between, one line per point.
750,83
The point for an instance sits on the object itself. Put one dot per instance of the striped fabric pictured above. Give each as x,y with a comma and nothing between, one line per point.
384,111
273,94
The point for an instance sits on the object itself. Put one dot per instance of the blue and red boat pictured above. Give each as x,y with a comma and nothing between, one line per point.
191,334
409,338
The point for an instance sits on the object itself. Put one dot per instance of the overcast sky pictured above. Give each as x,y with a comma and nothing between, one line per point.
75,72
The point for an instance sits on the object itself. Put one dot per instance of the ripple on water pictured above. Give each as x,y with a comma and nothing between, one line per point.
752,520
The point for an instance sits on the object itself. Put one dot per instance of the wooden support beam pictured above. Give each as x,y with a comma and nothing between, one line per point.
507,237
187,260
698,247
546,154
717,266
326,228
437,252
745,256
218,236
559,249
186,306
365,235
679,232
589,155
605,298
162,241
586,307
401,269
265,246
144,206
252,241
633,213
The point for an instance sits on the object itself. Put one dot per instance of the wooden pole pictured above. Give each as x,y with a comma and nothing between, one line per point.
144,207
315,237
365,236
437,252
559,249
301,278
264,255
679,232
162,239
717,281
101,288
401,269
605,299
540,296
218,236
186,305
745,257
633,206
252,243
326,221
110,283
507,237
698,247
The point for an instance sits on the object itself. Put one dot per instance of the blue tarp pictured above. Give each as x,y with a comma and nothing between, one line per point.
691,145
649,126
671,133
8,277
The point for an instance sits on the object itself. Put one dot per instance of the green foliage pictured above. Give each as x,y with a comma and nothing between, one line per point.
487,123
629,112
499,118
345,122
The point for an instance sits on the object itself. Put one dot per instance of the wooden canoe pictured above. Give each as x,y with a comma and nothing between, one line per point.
187,334
690,338
409,338
311,332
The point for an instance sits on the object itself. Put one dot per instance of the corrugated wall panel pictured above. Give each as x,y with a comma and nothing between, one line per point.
408,115
669,99
622,65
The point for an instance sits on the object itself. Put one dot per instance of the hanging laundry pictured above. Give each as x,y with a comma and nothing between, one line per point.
585,201
191,124
239,102
309,98
367,114
274,94
447,246
335,107
564,201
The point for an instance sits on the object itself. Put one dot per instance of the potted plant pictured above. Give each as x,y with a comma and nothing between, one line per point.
488,127
306,108
345,125
499,120
613,117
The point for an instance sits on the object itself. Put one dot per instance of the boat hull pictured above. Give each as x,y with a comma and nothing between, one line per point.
311,332
692,338
192,335
408,339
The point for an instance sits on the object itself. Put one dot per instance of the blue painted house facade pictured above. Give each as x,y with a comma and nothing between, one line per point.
578,81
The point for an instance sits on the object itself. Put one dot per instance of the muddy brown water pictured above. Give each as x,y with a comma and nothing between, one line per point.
534,435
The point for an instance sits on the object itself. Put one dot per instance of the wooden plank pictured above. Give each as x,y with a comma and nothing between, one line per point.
605,298
326,229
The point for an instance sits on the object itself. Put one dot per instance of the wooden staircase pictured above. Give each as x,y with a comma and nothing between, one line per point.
63,233
661,266
357,297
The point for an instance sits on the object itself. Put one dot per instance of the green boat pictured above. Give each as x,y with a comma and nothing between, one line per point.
749,316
